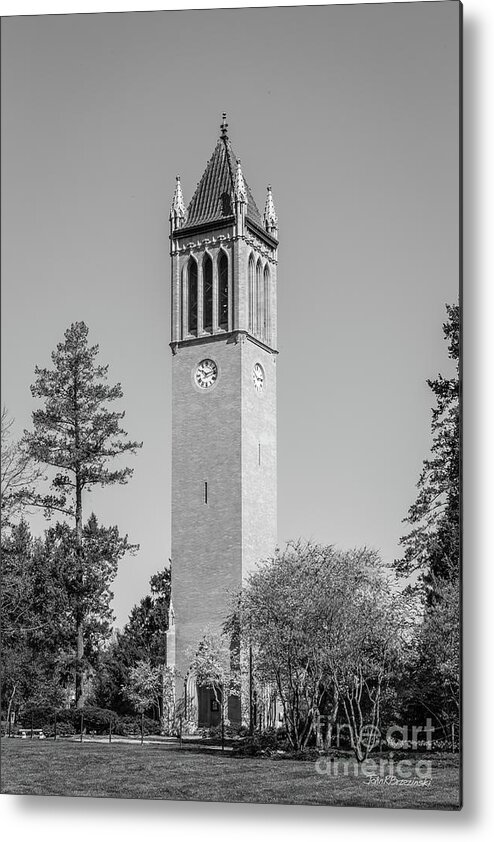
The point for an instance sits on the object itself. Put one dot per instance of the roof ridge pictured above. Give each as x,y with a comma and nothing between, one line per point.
213,197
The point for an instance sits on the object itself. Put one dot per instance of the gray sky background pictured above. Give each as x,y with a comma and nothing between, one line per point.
351,113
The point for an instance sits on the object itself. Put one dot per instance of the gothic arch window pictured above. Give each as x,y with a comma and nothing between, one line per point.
267,310
207,294
223,291
183,299
259,298
251,274
192,297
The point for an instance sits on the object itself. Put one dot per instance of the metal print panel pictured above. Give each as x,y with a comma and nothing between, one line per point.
230,434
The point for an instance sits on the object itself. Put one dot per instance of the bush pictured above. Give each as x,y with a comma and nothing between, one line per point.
96,720
130,726
64,729
268,742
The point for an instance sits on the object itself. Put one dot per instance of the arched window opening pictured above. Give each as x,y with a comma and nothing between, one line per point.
251,294
183,298
259,297
223,291
207,294
192,321
267,315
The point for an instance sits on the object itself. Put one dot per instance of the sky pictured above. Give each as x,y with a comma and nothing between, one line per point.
351,114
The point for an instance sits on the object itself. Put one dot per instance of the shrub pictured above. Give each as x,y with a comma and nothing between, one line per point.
64,729
130,726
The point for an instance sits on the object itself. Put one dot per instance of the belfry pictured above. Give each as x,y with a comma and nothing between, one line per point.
224,257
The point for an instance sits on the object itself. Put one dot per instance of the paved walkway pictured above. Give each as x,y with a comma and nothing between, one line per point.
188,743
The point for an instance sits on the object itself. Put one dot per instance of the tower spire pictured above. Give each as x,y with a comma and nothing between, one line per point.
239,188
270,219
177,209
224,126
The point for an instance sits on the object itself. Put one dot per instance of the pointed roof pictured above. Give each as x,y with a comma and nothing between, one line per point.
239,189
178,204
270,218
212,200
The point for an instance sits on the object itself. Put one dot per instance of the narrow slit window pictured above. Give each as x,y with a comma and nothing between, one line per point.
205,492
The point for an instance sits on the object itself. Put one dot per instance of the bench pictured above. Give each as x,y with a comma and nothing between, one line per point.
37,733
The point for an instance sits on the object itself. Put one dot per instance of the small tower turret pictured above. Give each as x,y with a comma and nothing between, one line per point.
270,219
177,210
240,200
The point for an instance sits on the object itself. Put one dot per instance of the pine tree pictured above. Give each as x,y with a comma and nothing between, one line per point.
77,434
432,547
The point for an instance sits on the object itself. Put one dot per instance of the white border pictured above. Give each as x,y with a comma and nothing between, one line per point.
56,819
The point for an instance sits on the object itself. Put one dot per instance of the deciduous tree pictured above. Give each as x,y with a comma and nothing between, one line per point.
19,475
325,628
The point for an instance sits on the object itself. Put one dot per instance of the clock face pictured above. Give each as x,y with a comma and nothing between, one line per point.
258,377
206,374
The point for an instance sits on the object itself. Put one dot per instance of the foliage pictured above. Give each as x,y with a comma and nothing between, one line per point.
129,726
432,546
33,622
78,436
144,685
41,595
143,638
76,433
87,581
19,475
431,681
325,630
149,687
216,665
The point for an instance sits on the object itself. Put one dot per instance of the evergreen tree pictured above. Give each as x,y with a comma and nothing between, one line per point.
143,639
33,620
77,435
87,582
432,547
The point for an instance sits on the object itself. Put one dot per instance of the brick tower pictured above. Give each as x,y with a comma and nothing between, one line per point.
223,342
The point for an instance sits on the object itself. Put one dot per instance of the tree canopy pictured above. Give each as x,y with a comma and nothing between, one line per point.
77,435
432,546
325,629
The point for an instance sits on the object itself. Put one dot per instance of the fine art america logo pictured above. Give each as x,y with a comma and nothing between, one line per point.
386,771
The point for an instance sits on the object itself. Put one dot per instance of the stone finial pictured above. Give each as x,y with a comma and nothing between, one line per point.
270,218
224,126
239,188
177,210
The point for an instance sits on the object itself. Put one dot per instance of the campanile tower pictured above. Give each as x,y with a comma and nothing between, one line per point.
223,341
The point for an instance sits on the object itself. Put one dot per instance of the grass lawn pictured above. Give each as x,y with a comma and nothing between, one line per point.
123,770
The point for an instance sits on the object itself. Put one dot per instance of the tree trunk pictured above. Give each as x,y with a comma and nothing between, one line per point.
9,709
331,723
79,678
